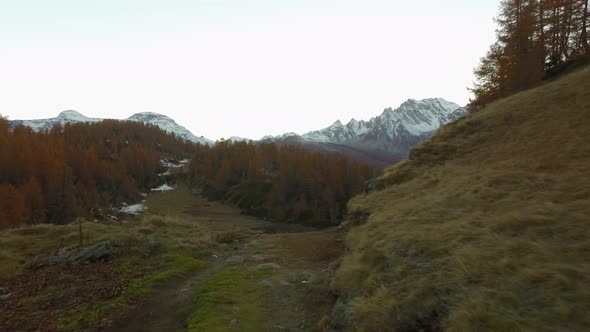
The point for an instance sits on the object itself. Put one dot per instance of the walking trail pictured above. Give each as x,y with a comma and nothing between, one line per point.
286,267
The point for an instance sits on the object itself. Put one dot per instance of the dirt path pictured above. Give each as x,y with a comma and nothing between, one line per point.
295,296
167,309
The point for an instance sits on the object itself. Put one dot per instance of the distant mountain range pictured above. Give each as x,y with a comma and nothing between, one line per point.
162,121
380,141
384,139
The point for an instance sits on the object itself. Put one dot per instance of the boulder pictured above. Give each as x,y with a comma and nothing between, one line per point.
101,251
4,293
342,317
234,260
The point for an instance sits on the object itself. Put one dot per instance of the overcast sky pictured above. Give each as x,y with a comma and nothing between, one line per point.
237,67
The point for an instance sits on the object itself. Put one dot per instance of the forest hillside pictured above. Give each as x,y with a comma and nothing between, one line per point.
77,170
484,228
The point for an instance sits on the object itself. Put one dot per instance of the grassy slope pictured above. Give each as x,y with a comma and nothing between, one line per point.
125,280
486,226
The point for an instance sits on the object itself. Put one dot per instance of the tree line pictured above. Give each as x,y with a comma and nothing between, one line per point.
68,171
284,183
535,40
75,170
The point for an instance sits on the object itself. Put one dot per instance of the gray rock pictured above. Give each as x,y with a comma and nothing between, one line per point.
304,276
374,185
342,317
234,260
97,252
268,266
258,258
4,297
234,323
265,283
152,241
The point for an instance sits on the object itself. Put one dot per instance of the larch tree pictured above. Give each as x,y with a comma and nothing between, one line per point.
536,39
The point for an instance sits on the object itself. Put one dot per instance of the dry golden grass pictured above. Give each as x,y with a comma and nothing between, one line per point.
23,246
486,227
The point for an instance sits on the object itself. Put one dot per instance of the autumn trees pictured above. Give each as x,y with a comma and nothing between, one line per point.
535,39
285,183
65,172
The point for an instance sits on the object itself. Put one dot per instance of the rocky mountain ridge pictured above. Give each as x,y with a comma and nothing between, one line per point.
162,121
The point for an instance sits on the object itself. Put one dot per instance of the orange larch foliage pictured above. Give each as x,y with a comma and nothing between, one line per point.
285,183
57,175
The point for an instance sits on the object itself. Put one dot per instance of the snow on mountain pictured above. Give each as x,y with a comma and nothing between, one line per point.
63,118
163,122
384,138
167,124
339,133
415,117
239,139
394,132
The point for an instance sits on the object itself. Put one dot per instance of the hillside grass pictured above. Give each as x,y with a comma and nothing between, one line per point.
25,246
86,295
485,227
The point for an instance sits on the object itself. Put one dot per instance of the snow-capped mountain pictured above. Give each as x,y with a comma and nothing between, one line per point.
165,123
169,125
390,134
239,139
63,118
413,118
379,141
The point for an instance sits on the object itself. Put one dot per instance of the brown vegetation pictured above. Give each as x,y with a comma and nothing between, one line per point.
286,183
57,175
485,228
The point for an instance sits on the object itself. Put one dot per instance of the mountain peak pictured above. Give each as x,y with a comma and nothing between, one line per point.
164,122
239,139
395,129
147,116
73,116
70,112
429,102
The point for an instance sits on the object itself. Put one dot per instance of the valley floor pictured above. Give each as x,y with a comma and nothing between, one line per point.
213,270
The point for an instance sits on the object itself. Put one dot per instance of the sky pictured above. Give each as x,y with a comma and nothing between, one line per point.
244,68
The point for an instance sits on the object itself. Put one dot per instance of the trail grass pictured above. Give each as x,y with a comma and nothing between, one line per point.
137,289
230,299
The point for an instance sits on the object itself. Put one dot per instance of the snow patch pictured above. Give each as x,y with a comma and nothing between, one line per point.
170,164
134,209
163,187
